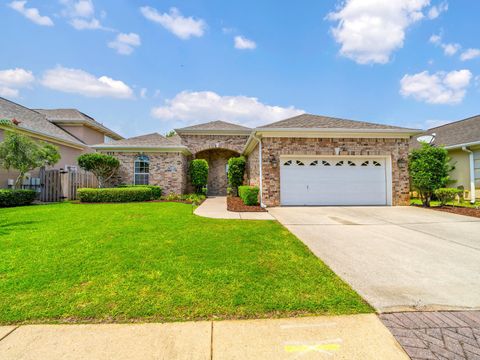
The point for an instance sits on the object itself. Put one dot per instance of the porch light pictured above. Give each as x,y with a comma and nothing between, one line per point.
402,162
273,161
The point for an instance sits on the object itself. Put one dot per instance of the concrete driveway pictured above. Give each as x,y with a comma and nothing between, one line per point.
397,258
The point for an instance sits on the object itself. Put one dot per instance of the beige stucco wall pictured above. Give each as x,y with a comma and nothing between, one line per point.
69,156
460,176
87,135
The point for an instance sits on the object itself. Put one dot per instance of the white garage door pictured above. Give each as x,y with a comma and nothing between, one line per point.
333,181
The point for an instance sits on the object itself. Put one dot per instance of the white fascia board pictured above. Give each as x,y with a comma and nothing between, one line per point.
119,148
459,146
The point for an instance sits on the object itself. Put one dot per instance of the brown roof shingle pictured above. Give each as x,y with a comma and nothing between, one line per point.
153,140
309,121
455,133
34,121
75,116
215,125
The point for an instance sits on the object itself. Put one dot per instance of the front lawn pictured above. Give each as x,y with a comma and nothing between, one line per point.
156,262
435,203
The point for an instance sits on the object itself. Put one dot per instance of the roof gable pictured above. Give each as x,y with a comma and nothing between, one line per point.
217,125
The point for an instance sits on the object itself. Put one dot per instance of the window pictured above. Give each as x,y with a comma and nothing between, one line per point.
365,163
107,139
325,163
351,163
299,163
340,163
314,163
376,163
141,170
288,163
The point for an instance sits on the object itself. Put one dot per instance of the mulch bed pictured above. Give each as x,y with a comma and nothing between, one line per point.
459,210
236,204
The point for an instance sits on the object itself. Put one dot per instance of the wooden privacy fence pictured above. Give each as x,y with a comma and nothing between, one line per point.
58,185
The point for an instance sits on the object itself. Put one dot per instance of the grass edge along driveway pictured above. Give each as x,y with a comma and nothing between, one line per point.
157,262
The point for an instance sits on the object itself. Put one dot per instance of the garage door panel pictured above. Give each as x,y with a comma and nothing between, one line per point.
333,185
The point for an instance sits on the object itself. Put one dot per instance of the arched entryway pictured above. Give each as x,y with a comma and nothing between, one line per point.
217,169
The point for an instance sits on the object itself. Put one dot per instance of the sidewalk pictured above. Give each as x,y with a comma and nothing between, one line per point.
216,208
328,337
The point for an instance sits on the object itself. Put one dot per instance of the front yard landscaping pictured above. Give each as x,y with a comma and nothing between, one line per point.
463,207
156,262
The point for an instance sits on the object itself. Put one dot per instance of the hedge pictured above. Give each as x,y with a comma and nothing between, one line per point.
119,194
156,190
10,198
446,194
249,194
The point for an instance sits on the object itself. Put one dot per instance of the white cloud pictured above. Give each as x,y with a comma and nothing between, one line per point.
31,14
125,43
369,31
448,49
192,107
437,88
81,82
183,27
11,80
243,43
436,10
470,54
82,15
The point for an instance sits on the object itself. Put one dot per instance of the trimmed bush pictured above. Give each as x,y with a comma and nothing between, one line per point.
199,174
156,190
249,194
101,165
236,170
446,195
10,198
125,194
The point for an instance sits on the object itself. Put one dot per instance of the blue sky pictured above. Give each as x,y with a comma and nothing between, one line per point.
145,66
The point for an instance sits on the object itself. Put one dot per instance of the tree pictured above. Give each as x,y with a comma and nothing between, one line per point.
199,174
101,165
429,168
21,153
170,133
236,171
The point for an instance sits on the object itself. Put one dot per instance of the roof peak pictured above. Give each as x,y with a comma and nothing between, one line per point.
214,125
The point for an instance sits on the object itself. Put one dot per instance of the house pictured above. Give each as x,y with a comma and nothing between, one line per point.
69,129
303,160
462,140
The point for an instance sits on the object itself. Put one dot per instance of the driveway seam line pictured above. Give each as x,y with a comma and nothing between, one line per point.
8,333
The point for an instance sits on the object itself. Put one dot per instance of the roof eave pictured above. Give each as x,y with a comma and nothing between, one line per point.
459,146
94,126
44,136
137,148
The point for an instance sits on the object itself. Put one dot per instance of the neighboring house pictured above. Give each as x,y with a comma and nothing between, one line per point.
462,140
70,130
304,160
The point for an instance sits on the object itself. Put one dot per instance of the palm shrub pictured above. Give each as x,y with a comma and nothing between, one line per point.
101,165
429,170
236,171
199,174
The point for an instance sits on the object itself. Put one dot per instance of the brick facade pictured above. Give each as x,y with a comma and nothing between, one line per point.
272,148
197,143
167,170
217,173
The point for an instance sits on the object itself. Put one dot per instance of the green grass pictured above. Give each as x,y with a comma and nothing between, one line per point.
156,262
434,203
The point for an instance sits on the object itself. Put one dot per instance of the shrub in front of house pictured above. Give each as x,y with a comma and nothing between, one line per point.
249,194
199,174
156,190
115,195
11,198
445,195
236,171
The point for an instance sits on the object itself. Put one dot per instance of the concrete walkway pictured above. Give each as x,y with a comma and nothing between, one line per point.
216,208
328,337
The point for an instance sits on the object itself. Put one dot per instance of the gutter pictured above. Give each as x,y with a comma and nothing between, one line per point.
461,146
472,174
260,169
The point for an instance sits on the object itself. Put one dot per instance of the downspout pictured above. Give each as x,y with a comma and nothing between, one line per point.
260,168
472,174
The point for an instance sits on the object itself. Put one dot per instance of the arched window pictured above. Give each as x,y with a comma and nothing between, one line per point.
141,170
